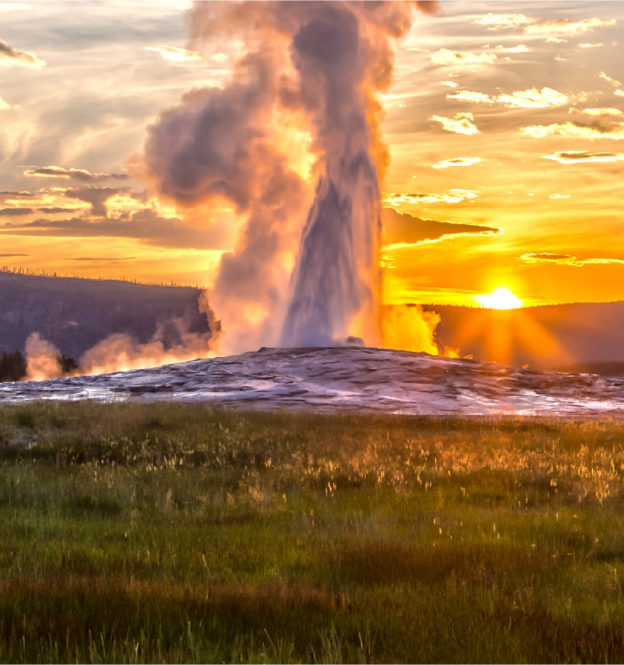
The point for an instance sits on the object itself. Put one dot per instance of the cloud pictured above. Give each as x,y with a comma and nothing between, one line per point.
469,96
533,99
15,212
613,82
577,130
457,161
504,21
450,84
461,124
526,99
591,45
95,196
176,54
55,211
7,194
567,26
12,57
559,196
566,259
8,256
619,93
521,48
102,258
146,226
556,40
453,196
81,175
405,229
599,112
4,106
446,57
580,156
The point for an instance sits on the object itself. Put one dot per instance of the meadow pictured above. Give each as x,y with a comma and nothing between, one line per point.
177,533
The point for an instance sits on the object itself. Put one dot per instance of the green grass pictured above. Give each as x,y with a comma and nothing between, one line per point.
171,533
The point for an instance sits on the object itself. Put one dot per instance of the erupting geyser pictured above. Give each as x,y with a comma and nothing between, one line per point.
319,66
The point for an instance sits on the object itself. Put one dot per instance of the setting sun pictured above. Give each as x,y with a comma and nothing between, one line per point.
500,299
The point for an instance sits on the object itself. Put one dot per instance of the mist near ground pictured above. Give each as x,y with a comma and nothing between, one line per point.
579,337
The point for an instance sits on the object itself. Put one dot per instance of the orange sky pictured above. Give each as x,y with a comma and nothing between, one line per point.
508,120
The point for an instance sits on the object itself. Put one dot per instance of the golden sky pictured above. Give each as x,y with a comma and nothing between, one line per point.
505,126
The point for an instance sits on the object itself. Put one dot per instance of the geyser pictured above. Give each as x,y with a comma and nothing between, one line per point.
316,67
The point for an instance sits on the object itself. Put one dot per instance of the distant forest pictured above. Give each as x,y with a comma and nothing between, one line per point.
76,314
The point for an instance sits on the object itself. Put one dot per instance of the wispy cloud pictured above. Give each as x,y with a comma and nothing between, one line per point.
567,26
525,99
108,259
460,124
175,54
566,259
613,82
457,161
446,57
504,21
450,84
452,196
572,130
591,45
619,93
4,106
559,196
532,26
582,156
471,96
12,57
599,112
81,175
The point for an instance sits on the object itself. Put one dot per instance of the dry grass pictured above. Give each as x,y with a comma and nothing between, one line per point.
170,533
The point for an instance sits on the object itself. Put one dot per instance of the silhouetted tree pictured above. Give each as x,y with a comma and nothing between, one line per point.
68,365
12,367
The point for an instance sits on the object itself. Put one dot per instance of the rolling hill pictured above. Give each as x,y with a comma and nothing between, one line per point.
76,314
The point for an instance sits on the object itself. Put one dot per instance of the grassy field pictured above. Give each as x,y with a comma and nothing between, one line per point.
169,533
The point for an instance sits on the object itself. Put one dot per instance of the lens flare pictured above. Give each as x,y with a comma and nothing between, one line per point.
500,299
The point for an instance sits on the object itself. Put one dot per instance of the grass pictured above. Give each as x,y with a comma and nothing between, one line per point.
172,533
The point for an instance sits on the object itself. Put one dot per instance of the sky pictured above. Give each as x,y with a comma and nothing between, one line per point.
505,127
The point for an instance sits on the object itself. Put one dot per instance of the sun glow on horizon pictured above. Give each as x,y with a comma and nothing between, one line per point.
500,299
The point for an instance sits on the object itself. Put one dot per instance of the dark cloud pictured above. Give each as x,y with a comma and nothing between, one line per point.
145,226
568,259
405,228
7,256
55,211
15,212
102,258
581,156
95,196
15,195
12,56
547,256
82,175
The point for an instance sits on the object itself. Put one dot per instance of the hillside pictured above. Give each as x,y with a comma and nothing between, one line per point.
577,336
76,314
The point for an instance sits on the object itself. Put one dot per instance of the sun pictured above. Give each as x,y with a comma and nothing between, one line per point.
500,299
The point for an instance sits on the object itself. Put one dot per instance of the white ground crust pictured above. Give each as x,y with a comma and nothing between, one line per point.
345,379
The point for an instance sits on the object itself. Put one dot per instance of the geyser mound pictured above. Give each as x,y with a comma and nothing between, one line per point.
345,378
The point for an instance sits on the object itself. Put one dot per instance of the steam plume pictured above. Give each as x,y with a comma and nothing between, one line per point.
316,67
